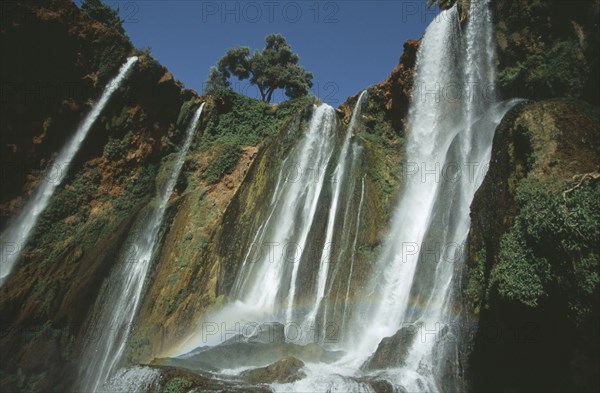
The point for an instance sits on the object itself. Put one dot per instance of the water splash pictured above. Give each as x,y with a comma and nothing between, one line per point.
19,230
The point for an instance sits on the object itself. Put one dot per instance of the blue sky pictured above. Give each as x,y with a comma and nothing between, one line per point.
347,45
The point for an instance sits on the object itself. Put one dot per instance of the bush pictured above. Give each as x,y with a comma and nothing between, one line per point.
518,275
559,70
177,385
116,149
552,246
225,159
245,121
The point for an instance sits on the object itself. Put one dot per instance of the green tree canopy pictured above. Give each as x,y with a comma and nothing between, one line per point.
99,11
276,67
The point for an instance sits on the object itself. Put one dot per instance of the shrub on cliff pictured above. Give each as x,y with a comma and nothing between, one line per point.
552,246
561,68
246,121
225,158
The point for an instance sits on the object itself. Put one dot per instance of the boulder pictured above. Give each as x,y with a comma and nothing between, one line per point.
286,370
391,351
247,354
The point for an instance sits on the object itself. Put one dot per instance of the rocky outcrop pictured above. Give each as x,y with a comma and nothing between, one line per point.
533,254
393,94
391,351
239,353
286,370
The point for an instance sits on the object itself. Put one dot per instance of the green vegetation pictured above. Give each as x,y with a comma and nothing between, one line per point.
225,158
552,246
67,219
234,121
384,150
116,149
556,68
245,121
177,385
547,49
475,293
276,67
99,11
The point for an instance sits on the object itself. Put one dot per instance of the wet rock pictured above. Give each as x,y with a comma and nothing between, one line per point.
286,370
270,332
391,351
381,386
236,353
203,382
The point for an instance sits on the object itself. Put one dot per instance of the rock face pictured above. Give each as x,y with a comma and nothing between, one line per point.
286,370
533,253
176,380
391,351
240,353
68,60
548,49
397,88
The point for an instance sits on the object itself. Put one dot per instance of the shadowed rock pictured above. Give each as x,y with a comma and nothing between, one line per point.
391,351
245,353
286,370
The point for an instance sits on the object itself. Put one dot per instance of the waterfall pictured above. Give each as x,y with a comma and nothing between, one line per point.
265,286
452,118
345,162
267,283
353,255
117,306
19,230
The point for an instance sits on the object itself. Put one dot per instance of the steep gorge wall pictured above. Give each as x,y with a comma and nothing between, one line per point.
43,309
530,285
55,63
532,263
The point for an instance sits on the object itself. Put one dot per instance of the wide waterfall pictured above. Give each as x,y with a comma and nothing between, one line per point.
19,230
452,118
117,306
267,286
270,286
410,287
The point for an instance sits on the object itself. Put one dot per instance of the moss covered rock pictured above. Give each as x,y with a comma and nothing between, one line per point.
533,254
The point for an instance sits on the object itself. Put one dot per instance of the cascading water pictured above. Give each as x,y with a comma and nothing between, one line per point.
118,304
452,117
266,285
265,282
345,162
19,230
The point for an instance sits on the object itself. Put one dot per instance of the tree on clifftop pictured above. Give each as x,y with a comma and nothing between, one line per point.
276,67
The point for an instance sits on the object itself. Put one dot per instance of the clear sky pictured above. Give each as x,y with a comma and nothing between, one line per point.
347,45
